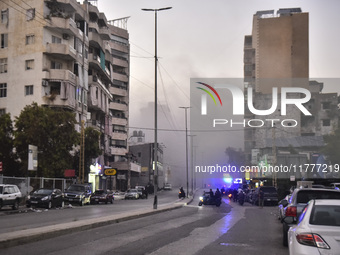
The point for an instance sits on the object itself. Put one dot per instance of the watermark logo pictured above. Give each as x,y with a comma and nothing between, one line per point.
204,97
239,99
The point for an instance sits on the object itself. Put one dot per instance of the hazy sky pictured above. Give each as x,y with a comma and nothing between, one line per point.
199,38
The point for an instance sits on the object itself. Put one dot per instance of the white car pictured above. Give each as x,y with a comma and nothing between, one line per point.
318,229
10,195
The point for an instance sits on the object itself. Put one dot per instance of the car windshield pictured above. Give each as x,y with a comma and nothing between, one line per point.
43,192
304,196
76,188
99,192
327,215
132,190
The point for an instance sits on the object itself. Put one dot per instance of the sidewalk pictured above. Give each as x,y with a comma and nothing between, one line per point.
36,234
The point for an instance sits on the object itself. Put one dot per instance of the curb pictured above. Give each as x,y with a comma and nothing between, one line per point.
36,234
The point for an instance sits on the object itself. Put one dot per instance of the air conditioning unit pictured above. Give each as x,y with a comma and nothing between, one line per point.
95,57
66,36
45,83
78,24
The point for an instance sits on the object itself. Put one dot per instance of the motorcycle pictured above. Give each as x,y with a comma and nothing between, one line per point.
181,194
241,197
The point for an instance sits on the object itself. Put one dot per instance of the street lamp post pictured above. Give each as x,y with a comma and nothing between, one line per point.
156,144
186,146
192,163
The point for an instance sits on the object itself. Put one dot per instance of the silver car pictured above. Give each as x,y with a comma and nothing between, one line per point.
318,229
10,195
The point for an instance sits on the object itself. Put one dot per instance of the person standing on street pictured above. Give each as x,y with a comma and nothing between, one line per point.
261,198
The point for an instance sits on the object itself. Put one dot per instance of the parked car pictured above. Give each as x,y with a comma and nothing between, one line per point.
78,193
335,185
298,200
102,196
269,194
167,186
132,194
47,198
282,205
10,195
318,229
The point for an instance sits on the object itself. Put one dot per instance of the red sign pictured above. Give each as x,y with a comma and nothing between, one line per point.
70,173
0,166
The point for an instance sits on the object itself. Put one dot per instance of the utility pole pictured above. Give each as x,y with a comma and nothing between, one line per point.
82,153
155,176
274,156
186,146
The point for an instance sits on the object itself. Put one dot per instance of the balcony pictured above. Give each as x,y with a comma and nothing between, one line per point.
119,47
60,74
120,77
120,61
61,49
119,136
67,25
119,121
119,106
118,151
118,91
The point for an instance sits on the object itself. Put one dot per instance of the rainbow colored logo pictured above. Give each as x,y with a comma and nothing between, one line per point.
209,93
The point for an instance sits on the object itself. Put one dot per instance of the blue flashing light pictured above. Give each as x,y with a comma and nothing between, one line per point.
228,180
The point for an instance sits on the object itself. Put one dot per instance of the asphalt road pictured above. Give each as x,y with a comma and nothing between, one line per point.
229,229
40,217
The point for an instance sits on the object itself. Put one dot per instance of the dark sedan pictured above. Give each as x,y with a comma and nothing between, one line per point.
102,196
47,198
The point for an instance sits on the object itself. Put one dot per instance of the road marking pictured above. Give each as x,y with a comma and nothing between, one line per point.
201,237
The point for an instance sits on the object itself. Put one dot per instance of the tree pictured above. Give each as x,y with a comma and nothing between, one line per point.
7,155
332,148
235,157
92,149
53,132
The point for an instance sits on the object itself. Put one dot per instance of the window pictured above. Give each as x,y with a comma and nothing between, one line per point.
56,65
326,123
29,65
56,39
30,14
28,90
29,39
4,16
2,112
4,41
3,90
3,65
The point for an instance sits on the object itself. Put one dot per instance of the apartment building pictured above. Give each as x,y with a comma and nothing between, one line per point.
62,53
276,54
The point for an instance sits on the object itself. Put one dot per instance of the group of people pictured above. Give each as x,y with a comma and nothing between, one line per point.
217,194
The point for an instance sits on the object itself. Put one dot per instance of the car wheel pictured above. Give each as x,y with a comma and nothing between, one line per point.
0,204
49,206
106,201
15,205
200,204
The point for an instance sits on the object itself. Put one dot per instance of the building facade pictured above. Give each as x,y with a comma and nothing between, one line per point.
60,53
276,55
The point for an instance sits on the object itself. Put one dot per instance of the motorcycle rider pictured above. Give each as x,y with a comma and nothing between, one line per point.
217,193
181,192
